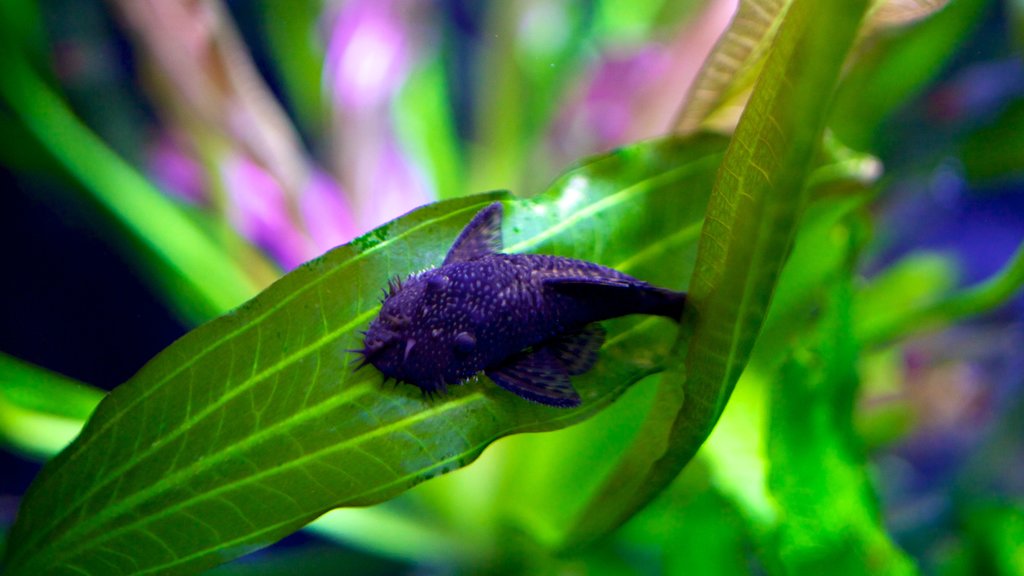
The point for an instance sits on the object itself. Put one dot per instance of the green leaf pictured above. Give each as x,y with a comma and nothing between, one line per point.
888,13
426,127
725,79
752,218
293,36
828,511
722,87
890,71
939,312
41,411
699,530
994,152
393,534
914,282
254,424
205,281
994,534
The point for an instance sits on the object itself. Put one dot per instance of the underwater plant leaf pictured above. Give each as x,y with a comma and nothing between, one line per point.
829,518
994,537
254,424
199,276
731,69
886,13
896,66
909,284
722,87
41,411
751,221
426,127
298,55
929,314
994,152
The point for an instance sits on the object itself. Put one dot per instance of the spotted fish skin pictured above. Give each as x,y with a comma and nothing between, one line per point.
528,321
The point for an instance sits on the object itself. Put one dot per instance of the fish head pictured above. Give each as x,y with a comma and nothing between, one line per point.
421,334
389,339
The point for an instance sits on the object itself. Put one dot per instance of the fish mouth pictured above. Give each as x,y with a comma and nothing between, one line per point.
374,343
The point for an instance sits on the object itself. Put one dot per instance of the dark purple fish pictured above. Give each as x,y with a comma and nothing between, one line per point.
527,321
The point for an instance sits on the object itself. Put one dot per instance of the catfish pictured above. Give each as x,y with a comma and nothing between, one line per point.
527,321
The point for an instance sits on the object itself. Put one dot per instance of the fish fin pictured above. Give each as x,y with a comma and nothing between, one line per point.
481,237
538,376
577,351
580,283
626,296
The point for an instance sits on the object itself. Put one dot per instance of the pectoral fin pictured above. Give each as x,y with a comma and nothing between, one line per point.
577,351
536,375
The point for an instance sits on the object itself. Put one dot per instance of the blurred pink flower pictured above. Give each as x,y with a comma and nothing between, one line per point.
258,210
326,214
632,93
175,172
368,53
603,112
397,187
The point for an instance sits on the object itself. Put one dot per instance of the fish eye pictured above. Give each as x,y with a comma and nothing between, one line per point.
465,343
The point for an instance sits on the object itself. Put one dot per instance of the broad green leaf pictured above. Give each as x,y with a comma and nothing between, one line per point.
751,221
734,452
41,411
829,520
204,280
254,424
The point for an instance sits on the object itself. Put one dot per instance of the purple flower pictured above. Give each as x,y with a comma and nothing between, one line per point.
326,213
397,186
174,171
258,210
603,112
368,55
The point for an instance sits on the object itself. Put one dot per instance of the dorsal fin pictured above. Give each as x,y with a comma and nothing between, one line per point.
481,237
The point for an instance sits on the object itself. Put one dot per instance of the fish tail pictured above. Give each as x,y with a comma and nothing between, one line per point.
664,302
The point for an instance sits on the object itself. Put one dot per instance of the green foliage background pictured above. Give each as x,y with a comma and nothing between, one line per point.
730,444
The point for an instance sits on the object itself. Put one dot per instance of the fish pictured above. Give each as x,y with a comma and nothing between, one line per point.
527,321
